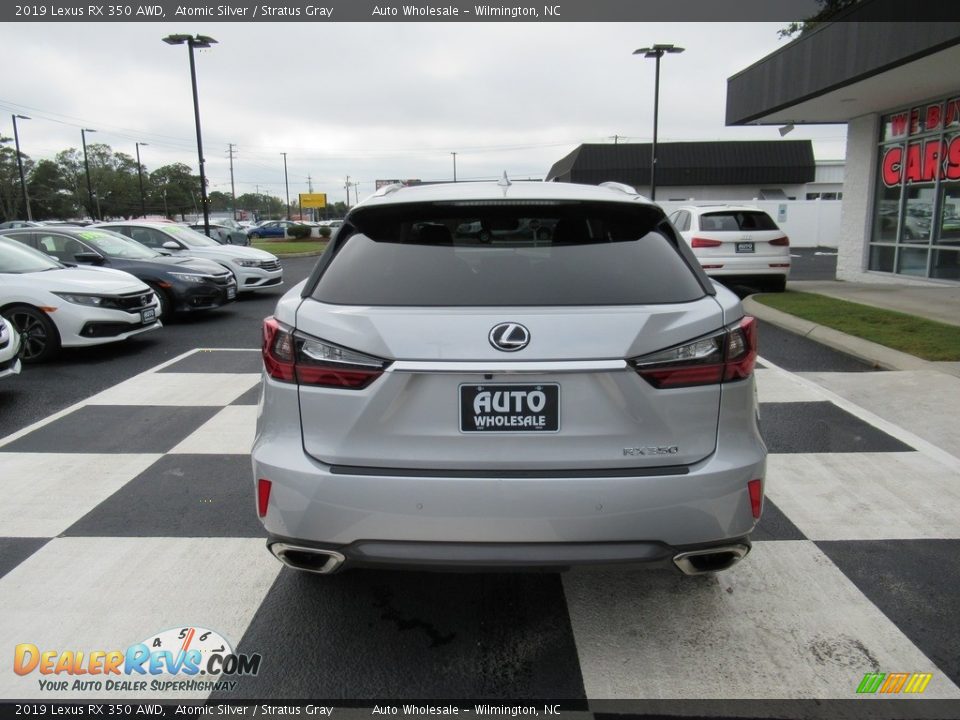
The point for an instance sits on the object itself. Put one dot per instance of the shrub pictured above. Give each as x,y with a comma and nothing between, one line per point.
299,232
324,231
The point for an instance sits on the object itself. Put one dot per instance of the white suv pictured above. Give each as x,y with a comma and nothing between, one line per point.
736,243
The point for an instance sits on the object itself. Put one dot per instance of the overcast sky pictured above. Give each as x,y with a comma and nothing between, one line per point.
375,100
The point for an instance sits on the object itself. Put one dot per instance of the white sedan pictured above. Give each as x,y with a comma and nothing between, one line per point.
9,349
52,306
253,268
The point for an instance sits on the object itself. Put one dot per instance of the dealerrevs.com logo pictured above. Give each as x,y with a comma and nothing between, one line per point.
178,659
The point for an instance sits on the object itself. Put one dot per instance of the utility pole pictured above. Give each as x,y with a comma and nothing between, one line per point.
454,166
346,186
615,139
313,211
286,183
233,193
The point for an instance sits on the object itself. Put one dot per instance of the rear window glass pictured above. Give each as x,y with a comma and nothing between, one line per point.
508,254
735,221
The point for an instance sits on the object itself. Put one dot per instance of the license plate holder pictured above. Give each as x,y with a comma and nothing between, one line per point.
231,293
148,316
510,408
745,247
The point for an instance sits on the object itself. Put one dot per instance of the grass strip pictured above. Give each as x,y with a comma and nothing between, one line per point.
281,247
923,338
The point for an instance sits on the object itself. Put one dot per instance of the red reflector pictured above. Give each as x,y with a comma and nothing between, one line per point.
711,267
755,488
263,496
776,265
781,241
704,243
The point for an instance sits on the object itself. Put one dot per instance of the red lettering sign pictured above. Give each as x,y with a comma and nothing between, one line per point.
915,121
898,123
935,160
891,167
953,112
934,115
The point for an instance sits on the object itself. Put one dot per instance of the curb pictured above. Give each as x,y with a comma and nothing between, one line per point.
870,352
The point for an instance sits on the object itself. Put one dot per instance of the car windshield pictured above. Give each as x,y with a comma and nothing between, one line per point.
117,246
17,258
190,237
490,254
736,221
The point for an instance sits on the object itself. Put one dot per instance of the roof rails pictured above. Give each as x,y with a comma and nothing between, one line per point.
387,189
621,187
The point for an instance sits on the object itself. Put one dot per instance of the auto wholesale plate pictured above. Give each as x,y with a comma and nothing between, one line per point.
744,247
148,316
510,408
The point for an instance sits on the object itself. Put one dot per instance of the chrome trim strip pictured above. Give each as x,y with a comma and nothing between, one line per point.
494,367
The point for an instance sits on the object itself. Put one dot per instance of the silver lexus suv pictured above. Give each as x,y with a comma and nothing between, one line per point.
482,375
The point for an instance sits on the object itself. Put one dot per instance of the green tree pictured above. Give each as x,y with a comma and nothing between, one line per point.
219,201
264,206
51,194
176,190
11,195
828,8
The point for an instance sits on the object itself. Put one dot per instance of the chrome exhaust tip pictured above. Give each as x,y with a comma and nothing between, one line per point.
710,560
307,559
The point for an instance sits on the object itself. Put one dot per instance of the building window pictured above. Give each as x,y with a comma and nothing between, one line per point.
916,221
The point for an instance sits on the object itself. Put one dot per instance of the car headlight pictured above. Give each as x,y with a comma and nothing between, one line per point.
88,300
243,262
188,277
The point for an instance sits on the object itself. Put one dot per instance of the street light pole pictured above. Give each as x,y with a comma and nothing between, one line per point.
86,165
454,166
143,202
656,52
202,42
23,182
286,183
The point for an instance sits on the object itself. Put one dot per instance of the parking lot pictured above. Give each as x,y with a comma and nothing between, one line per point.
131,463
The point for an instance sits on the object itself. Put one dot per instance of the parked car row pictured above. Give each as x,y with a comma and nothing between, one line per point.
75,286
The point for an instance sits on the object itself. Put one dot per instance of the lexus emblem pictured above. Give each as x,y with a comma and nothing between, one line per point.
509,337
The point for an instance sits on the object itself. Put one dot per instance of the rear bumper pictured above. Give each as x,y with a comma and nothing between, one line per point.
746,266
326,558
463,520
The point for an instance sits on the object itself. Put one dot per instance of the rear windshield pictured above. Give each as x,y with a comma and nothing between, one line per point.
736,220
508,254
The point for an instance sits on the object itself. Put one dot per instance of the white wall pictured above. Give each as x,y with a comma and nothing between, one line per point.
862,134
808,223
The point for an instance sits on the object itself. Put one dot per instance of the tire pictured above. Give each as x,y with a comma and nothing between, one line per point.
38,334
166,304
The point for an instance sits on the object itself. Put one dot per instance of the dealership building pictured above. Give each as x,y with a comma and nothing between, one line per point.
897,87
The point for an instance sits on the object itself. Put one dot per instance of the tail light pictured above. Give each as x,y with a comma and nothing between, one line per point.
755,489
295,357
698,242
781,241
263,496
724,356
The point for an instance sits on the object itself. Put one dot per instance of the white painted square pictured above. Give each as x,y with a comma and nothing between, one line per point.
783,623
866,496
110,593
45,493
229,432
776,386
194,389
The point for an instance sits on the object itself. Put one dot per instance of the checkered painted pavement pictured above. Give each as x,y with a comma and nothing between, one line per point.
143,520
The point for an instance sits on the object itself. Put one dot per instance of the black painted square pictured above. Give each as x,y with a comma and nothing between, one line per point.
218,361
797,353
180,496
14,551
115,429
821,427
774,525
379,634
914,583
250,397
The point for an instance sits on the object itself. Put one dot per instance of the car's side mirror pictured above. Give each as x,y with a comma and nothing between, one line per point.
171,245
88,258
